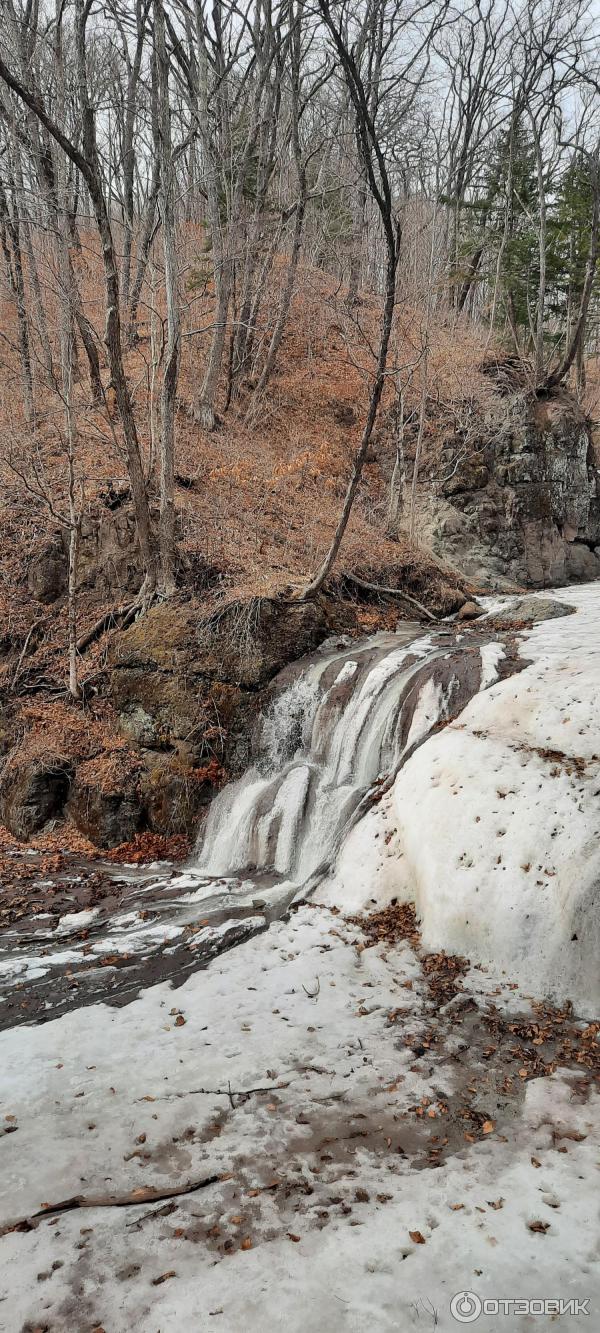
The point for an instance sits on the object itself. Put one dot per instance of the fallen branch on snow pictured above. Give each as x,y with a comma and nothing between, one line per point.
145,1194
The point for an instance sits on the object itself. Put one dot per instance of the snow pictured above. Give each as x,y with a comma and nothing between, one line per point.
76,920
302,1013
312,1080
492,826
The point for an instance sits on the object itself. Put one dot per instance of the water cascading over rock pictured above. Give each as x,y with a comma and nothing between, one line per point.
336,727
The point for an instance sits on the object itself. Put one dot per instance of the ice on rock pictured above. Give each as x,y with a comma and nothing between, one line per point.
494,820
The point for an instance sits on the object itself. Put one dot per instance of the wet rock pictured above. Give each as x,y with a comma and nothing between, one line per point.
32,791
531,611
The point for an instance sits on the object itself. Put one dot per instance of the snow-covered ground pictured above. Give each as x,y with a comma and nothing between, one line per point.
321,1176
493,826
308,1135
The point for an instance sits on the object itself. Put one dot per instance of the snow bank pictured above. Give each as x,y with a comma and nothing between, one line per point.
493,826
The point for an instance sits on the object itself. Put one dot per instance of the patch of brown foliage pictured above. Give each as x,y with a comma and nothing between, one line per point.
148,847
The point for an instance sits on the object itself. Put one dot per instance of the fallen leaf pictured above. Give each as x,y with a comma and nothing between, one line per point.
179,1021
538,1226
535,1162
456,1206
292,1236
164,1277
246,1243
417,1237
488,1126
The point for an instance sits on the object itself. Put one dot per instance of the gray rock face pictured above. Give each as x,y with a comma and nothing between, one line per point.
526,505
109,559
530,611
47,573
107,818
32,792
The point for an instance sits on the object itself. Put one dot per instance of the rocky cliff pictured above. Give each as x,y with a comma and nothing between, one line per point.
520,502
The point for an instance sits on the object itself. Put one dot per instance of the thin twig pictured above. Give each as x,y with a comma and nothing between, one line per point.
23,652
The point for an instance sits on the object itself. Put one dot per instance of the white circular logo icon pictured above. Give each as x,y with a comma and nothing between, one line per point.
466,1307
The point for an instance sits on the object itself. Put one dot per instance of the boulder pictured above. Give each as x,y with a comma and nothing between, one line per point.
470,611
108,560
247,643
583,565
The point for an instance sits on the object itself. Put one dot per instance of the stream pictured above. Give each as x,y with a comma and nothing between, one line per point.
339,727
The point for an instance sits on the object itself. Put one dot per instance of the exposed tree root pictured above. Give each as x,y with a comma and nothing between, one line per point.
119,617
389,592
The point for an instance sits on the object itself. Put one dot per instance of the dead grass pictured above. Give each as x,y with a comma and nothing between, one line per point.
262,492
257,499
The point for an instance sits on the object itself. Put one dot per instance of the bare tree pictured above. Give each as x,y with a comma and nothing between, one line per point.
87,161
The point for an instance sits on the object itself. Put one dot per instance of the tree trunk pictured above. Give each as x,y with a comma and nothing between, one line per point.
578,334
386,328
9,222
398,478
171,370
144,248
541,293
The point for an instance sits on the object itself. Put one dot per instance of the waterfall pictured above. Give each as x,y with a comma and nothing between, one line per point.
335,727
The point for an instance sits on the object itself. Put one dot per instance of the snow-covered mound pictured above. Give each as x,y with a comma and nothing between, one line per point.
492,827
